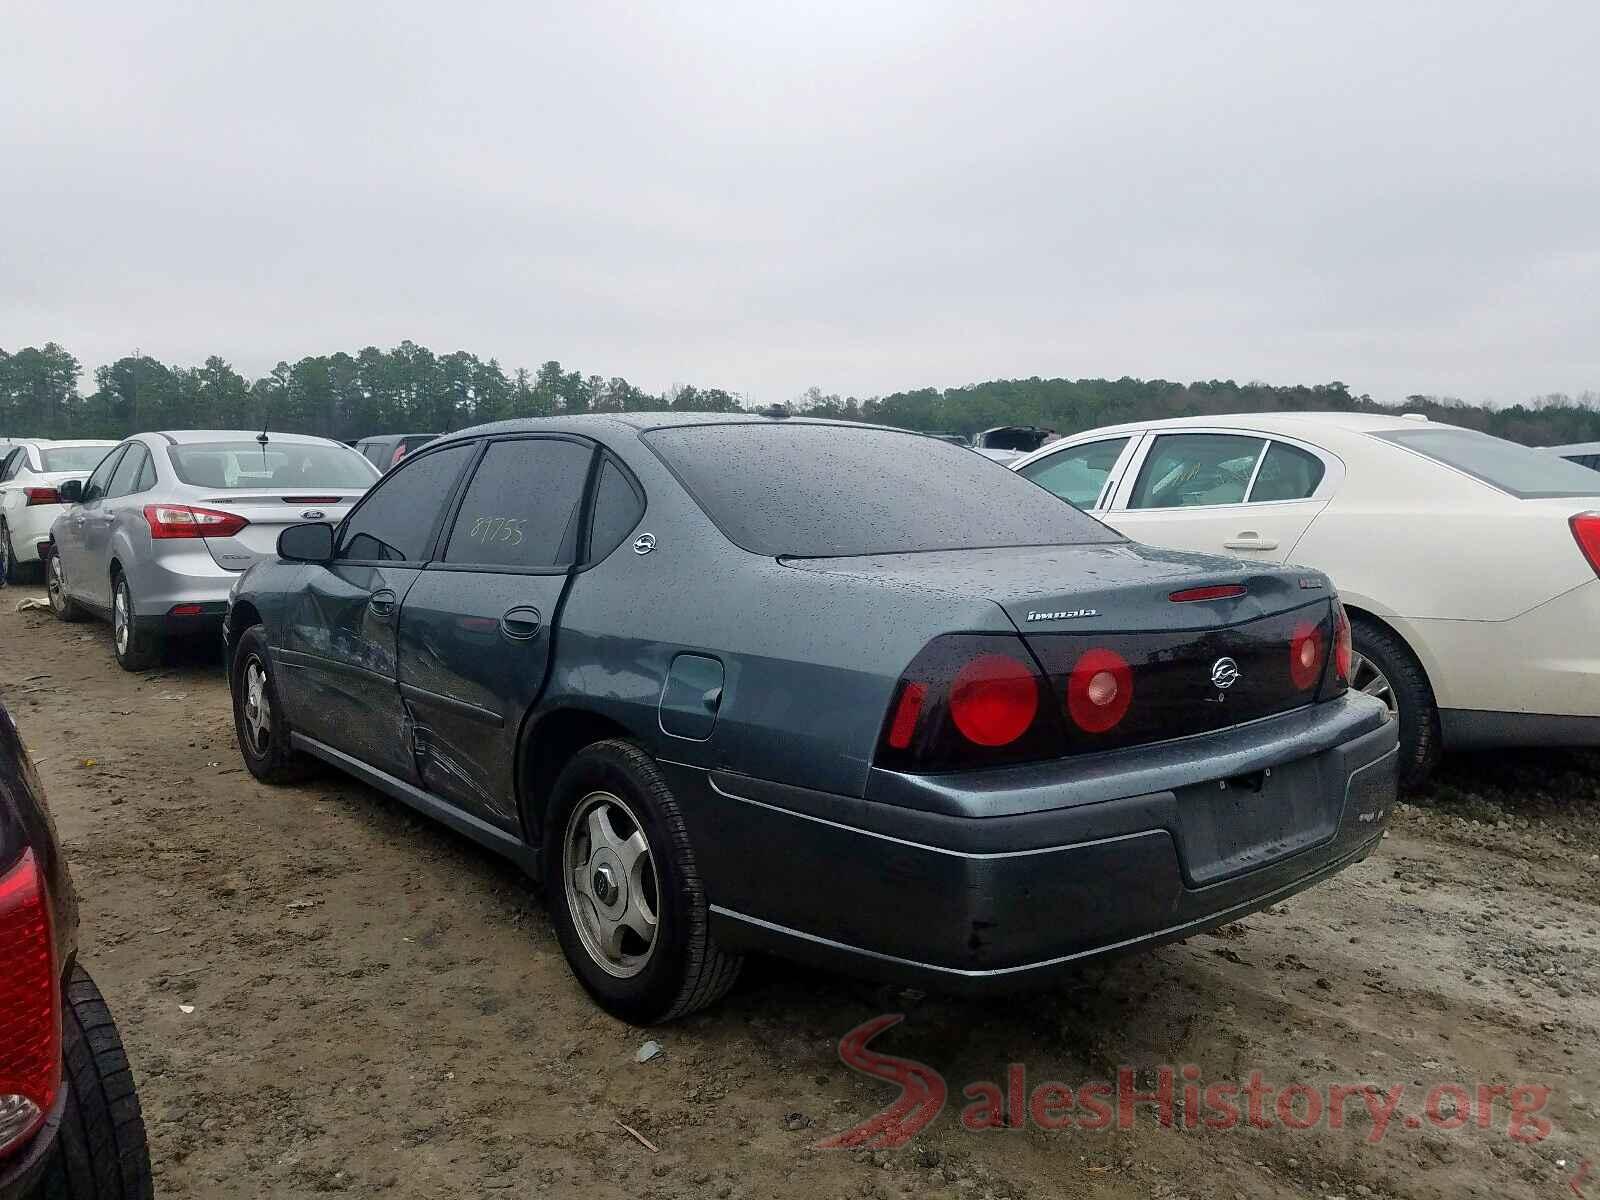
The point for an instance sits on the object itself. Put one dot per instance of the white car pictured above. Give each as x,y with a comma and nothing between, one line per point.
1470,566
30,473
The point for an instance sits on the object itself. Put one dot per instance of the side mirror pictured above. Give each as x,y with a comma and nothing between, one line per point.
311,543
71,492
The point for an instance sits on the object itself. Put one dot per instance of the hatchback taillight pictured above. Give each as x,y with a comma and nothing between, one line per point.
40,495
30,1005
186,521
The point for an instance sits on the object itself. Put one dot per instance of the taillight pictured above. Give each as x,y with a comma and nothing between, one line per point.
970,700
1099,690
1343,647
1305,655
399,453
1586,531
40,495
30,1006
186,521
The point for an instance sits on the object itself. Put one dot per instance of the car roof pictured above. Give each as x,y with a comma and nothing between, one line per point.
190,437
1290,423
642,422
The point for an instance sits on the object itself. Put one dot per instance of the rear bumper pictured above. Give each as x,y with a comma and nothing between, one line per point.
1062,872
182,574
208,622
30,529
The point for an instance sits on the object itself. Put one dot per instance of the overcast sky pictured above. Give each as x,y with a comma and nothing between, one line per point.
858,195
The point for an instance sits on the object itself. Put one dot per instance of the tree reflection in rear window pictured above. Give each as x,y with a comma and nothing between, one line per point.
791,489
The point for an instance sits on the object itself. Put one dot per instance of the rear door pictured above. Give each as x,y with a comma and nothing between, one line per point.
338,652
1230,492
476,626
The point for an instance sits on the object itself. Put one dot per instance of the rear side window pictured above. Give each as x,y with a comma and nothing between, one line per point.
1524,472
1186,470
617,509
823,491
521,509
9,464
1077,475
397,520
1287,473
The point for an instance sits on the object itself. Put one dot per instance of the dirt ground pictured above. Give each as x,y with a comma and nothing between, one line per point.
378,1007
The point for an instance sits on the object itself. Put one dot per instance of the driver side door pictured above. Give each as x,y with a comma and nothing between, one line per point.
72,535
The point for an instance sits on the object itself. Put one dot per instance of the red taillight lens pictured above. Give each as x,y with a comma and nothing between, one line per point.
1343,645
30,1005
1099,691
40,495
1305,656
185,521
994,699
399,453
1586,531
906,713
1215,591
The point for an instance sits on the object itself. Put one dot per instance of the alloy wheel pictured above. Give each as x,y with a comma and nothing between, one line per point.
611,885
56,584
1367,678
5,555
121,625
257,707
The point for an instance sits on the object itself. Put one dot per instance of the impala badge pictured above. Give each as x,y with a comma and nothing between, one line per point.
644,543
1063,616
1224,674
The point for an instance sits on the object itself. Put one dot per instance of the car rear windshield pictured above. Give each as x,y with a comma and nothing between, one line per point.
72,458
825,491
1526,473
245,465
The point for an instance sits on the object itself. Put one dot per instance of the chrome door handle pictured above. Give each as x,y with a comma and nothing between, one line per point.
520,624
1251,541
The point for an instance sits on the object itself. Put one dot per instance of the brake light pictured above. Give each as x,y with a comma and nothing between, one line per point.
970,700
1215,591
1586,531
399,453
40,495
1099,690
994,699
30,1006
1343,646
1305,655
186,521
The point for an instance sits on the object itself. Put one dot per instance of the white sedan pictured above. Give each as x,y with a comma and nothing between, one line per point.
30,472
1470,565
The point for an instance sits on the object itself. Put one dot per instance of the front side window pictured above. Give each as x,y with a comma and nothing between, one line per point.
1186,470
96,487
243,465
396,522
521,509
1287,473
125,480
1077,475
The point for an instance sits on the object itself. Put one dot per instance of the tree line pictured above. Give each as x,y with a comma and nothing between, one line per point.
411,389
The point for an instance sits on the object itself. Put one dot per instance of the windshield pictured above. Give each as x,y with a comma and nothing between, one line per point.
824,491
72,458
1526,473
278,465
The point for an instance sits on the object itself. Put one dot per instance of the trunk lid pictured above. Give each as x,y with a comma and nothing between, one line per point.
269,514
1193,665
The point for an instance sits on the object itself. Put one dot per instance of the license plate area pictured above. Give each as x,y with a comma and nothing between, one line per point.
1239,824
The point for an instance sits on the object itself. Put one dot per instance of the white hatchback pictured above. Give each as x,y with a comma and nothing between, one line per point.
1470,565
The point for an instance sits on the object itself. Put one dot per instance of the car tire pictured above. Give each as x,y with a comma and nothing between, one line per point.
55,578
101,1152
683,969
12,571
1412,697
135,651
258,717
